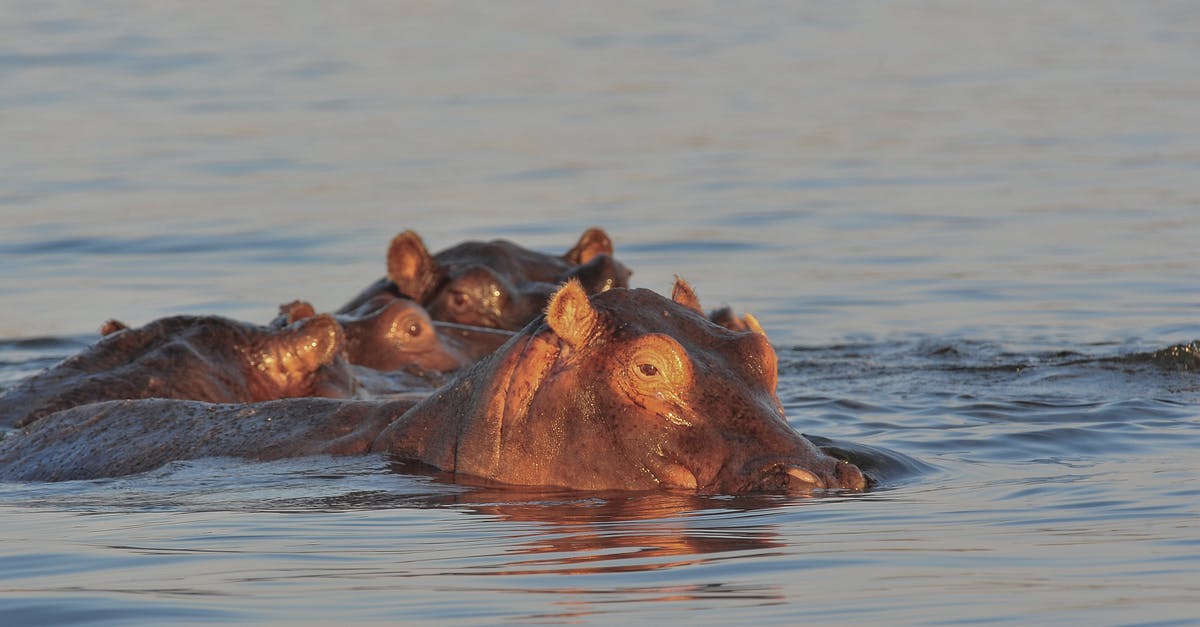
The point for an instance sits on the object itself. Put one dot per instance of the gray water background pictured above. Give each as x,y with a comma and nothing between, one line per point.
969,228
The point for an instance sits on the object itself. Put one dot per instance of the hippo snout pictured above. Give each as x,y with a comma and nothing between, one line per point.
791,478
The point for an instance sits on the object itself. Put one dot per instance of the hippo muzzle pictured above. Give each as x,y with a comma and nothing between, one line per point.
792,478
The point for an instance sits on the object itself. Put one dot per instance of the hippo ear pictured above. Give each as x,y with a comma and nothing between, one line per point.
593,242
683,294
111,326
571,315
410,266
296,310
753,325
726,318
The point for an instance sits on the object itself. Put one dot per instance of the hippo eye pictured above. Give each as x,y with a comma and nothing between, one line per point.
657,376
410,332
459,299
656,365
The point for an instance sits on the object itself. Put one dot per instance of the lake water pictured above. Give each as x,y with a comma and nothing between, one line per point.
970,230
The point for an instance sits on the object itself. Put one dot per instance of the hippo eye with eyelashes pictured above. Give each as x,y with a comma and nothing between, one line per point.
657,375
655,366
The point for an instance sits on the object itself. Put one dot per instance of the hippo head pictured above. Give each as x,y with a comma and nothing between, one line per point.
389,332
301,359
624,390
398,334
203,358
296,356
497,284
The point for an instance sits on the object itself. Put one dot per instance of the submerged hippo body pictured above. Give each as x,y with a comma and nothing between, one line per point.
625,391
116,438
495,284
205,358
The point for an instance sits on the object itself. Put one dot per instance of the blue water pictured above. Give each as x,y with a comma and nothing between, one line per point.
969,230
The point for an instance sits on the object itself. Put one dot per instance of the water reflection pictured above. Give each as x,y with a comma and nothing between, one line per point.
595,536
579,603
564,532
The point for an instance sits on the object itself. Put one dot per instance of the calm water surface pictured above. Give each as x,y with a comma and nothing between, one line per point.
970,230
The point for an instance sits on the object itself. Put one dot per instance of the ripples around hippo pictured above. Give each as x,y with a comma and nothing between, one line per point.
987,454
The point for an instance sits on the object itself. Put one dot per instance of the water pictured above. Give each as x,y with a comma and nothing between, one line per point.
969,230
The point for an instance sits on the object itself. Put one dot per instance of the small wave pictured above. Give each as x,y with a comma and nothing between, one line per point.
190,243
44,344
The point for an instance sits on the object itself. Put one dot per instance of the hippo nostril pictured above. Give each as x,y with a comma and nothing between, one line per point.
784,477
677,476
850,477
805,476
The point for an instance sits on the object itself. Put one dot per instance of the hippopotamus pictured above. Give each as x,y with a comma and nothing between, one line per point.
392,333
206,358
495,284
622,390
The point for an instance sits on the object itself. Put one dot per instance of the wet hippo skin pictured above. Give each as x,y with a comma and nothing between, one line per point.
624,390
115,438
206,358
495,284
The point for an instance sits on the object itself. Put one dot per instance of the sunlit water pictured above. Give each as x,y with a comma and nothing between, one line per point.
970,230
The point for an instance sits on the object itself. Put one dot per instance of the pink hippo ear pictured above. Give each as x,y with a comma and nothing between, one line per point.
683,294
571,315
410,266
594,241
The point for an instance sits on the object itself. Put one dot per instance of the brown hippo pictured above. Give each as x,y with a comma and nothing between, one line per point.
626,390
393,333
495,284
207,358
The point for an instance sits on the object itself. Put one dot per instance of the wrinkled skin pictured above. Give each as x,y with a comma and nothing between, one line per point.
206,358
495,284
391,333
625,391
628,391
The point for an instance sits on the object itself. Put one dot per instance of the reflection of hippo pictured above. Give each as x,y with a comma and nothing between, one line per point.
206,358
576,534
491,284
391,333
627,390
